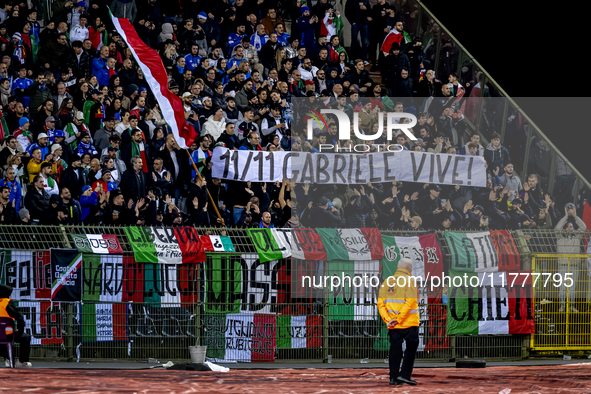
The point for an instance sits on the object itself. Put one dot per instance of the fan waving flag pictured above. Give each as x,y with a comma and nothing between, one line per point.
155,73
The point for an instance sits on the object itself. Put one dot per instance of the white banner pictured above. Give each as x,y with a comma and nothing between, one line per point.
348,168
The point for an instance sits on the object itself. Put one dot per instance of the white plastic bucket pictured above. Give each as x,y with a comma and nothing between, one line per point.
198,354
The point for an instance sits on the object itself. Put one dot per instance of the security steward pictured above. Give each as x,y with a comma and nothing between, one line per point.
398,307
9,309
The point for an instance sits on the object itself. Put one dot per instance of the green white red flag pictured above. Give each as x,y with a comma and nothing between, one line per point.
155,74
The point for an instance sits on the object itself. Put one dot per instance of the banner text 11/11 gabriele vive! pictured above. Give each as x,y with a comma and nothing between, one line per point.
349,168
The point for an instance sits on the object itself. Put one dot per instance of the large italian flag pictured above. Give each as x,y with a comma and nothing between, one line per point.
155,73
271,243
165,245
488,251
491,303
295,332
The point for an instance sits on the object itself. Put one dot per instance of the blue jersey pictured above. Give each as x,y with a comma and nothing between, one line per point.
192,62
21,83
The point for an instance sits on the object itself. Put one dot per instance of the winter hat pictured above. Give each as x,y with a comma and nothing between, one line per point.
202,15
395,47
23,213
132,89
55,199
85,188
304,9
22,121
55,147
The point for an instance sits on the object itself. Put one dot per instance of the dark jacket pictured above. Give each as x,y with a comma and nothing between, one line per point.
132,187
80,68
497,157
323,218
37,202
231,141
12,310
74,182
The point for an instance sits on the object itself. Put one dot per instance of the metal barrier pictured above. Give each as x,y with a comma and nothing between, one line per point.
562,296
133,311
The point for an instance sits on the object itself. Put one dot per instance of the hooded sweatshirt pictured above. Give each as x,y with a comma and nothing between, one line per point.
214,128
498,157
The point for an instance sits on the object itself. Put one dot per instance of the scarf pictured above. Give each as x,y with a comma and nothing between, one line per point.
5,95
19,53
139,150
25,133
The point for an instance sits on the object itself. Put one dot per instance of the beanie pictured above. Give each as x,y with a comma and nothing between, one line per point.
22,121
23,213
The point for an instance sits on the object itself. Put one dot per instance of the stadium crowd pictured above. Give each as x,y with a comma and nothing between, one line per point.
84,140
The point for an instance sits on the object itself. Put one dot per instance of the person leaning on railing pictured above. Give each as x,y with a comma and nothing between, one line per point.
569,242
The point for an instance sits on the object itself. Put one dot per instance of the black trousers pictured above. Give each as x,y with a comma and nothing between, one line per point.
24,342
411,336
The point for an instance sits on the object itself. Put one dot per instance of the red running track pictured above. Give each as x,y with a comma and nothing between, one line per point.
574,378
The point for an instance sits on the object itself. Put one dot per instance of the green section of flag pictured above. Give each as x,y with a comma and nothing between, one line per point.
89,322
460,320
223,278
265,244
331,239
283,324
462,253
152,284
144,250
341,302
91,280
215,339
82,241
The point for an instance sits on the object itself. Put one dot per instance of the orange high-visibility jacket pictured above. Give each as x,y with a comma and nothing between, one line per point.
399,302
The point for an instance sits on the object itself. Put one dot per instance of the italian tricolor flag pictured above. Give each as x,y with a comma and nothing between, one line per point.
155,73
295,332
352,244
271,243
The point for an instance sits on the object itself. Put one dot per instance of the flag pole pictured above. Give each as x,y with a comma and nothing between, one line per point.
215,207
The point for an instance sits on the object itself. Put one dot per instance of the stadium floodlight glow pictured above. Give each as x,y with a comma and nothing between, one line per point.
345,125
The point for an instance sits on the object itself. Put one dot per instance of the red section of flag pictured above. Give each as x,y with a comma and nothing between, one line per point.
292,297
190,245
263,343
506,250
114,245
310,243
373,236
521,303
50,319
42,266
152,60
188,283
119,322
133,282
432,258
313,331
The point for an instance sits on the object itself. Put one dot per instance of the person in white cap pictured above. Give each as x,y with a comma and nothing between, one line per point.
41,144
75,129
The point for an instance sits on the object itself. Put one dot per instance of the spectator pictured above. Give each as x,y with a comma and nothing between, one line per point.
134,182
37,200
497,155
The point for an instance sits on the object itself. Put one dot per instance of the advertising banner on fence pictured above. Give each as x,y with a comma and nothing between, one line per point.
349,168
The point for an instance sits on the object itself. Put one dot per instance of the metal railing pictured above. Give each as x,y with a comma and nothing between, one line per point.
516,128
249,311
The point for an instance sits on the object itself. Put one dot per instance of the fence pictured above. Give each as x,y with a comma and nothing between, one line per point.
249,311
562,312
